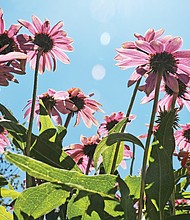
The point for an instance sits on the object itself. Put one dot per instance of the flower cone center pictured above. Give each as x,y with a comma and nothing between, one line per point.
44,41
89,150
111,124
186,134
163,61
78,102
5,40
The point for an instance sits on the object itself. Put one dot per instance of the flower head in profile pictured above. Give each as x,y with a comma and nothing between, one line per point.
83,153
56,102
86,107
4,141
182,137
182,97
11,60
111,121
52,42
154,57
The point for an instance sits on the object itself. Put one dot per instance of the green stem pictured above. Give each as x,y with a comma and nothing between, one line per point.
69,116
143,172
88,165
132,161
29,181
124,126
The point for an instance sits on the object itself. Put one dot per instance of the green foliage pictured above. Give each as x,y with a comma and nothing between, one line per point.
9,193
4,215
85,205
133,182
43,199
102,184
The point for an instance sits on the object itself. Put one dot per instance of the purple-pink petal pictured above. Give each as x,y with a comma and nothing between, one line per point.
28,26
173,45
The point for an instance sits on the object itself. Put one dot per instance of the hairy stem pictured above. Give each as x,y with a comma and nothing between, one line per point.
132,161
69,116
29,181
124,126
143,172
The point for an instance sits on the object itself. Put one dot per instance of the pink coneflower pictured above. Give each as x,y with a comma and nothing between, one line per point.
154,56
86,107
4,142
55,102
182,137
5,70
183,97
13,62
111,121
52,41
83,153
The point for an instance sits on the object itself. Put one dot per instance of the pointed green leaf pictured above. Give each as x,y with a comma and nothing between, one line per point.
6,193
46,126
159,177
3,181
165,132
61,132
4,215
126,201
17,131
113,138
133,182
52,154
101,184
108,151
7,114
85,205
40,200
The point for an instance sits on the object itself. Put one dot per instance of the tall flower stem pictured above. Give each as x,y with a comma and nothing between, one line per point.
132,161
29,133
88,165
69,116
124,126
143,172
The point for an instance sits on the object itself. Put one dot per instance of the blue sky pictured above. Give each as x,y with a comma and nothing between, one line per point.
97,28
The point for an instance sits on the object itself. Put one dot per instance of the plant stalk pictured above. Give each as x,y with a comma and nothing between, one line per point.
143,172
124,126
29,181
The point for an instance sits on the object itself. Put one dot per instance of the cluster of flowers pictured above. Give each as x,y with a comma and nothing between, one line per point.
153,55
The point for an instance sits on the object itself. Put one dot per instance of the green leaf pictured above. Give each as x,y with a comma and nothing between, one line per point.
4,215
61,132
133,182
108,151
7,114
179,217
165,132
17,131
85,205
180,173
115,137
37,201
159,177
46,126
126,201
108,157
102,184
3,181
52,154
6,193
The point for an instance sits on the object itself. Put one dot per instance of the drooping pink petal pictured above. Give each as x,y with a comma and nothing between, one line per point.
61,55
46,27
12,56
157,46
56,27
137,74
56,116
2,24
13,30
172,83
182,54
28,26
145,46
37,23
173,45
185,69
